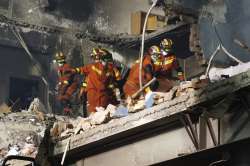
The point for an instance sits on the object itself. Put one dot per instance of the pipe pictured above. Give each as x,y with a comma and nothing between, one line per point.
142,41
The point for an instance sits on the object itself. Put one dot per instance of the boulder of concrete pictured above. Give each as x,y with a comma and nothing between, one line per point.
83,124
38,108
59,127
138,106
99,117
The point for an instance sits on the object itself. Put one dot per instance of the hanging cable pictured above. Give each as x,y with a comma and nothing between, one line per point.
219,47
142,41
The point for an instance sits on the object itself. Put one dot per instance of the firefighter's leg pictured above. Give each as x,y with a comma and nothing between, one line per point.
92,97
84,105
71,90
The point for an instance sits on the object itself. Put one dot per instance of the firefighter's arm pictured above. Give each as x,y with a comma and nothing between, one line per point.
117,74
83,70
148,75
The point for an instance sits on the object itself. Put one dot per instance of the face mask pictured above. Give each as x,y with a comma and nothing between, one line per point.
60,64
104,63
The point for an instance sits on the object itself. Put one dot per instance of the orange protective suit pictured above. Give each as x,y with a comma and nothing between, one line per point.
99,79
68,83
132,84
165,77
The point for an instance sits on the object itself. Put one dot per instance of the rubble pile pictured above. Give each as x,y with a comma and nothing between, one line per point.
64,129
20,134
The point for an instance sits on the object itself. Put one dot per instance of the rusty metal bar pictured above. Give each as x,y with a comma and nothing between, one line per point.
211,131
194,132
188,131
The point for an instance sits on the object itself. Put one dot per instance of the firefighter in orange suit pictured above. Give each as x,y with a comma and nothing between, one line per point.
151,64
95,55
169,64
67,84
170,61
100,77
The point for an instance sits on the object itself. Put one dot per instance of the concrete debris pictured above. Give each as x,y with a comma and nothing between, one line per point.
99,117
216,74
29,150
111,109
59,127
139,105
171,94
21,133
4,109
85,124
38,108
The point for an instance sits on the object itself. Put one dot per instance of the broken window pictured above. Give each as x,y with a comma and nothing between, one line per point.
22,92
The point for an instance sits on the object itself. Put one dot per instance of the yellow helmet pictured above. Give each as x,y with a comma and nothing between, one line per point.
60,57
97,53
153,50
166,43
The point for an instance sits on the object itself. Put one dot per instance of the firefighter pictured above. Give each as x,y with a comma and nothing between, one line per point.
150,65
101,77
170,61
67,84
95,56
169,64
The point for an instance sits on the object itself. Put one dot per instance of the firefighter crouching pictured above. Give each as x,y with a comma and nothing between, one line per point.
149,68
67,82
169,64
100,76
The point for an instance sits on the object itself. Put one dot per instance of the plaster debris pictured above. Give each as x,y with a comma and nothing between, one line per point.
99,117
38,108
4,109
216,74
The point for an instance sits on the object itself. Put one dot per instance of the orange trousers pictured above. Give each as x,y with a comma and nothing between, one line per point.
97,99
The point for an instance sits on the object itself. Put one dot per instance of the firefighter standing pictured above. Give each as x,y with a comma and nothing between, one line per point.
151,64
67,84
100,79
95,55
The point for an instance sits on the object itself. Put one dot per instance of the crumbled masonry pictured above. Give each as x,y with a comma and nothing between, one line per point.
105,123
178,100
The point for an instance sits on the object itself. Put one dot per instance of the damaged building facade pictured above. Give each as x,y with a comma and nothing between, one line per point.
194,120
